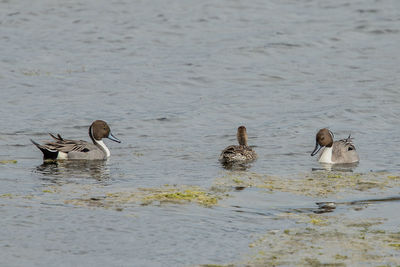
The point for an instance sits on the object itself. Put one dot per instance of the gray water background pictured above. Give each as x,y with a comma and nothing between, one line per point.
174,79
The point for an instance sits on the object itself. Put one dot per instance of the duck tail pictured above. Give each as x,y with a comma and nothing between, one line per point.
57,138
47,153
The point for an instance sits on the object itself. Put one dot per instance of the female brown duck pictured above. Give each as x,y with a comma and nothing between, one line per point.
241,153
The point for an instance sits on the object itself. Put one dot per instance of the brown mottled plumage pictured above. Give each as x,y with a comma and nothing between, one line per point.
241,153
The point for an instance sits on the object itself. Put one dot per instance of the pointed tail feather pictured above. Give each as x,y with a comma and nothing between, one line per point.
57,138
47,153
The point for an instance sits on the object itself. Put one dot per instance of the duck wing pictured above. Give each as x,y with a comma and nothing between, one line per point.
347,143
68,145
237,153
344,151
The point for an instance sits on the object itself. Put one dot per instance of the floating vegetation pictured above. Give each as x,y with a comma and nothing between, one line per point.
38,72
10,161
311,240
7,195
216,265
318,221
15,196
337,241
314,184
147,196
193,194
34,72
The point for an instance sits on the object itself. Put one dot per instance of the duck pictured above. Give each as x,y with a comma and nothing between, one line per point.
334,152
65,149
241,153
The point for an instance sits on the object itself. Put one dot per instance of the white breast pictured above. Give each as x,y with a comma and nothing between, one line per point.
326,156
62,155
101,143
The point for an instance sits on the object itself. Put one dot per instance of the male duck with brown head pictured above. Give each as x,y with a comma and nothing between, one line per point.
62,148
241,153
334,152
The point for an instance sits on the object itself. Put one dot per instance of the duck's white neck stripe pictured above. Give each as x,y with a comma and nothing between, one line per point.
326,156
103,146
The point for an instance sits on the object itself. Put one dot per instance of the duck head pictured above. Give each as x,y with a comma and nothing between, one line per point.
99,130
324,138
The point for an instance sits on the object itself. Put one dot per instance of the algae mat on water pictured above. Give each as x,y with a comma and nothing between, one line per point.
314,184
319,240
327,241
147,196
8,161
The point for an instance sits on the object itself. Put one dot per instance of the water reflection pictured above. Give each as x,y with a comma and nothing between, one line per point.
343,167
57,170
330,206
325,207
236,166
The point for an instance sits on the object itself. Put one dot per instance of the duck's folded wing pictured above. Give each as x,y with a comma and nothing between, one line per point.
66,146
347,143
229,150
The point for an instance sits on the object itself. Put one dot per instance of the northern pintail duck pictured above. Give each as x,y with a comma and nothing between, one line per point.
342,151
238,154
77,149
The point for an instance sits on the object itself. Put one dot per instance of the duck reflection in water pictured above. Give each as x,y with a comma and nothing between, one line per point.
57,171
345,167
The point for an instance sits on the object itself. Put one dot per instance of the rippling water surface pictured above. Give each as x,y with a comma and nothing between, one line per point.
174,79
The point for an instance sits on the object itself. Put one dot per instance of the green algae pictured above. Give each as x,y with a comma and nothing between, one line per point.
38,72
237,181
316,263
334,175
317,221
215,265
195,195
314,184
318,241
17,196
51,189
7,195
147,196
336,242
286,231
341,257
10,161
321,240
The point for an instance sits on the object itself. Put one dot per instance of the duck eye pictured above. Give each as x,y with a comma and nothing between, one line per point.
350,148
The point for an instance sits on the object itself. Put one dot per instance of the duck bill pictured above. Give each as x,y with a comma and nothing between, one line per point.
113,138
316,149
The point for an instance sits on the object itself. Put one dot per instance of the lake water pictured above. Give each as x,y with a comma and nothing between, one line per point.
174,79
